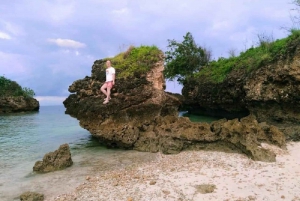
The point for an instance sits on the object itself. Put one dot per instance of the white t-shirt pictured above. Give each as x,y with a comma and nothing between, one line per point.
109,74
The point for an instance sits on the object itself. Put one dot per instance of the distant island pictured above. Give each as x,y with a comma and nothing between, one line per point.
14,98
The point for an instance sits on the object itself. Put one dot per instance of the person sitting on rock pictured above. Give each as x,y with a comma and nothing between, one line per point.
110,81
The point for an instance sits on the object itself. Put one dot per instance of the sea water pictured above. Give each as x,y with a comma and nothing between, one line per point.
25,138
198,117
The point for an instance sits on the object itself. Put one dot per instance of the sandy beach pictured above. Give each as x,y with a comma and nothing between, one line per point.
196,175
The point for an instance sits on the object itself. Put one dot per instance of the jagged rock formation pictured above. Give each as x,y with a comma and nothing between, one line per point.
57,160
271,93
13,104
142,116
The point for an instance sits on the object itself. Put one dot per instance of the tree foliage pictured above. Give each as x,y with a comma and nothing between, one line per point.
184,58
12,88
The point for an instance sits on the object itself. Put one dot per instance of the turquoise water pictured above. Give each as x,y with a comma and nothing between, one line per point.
29,136
25,138
198,118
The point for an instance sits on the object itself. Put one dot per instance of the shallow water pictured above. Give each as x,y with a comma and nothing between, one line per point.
25,138
198,118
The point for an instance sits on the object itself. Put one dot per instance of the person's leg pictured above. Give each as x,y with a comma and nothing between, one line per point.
104,86
108,93
109,86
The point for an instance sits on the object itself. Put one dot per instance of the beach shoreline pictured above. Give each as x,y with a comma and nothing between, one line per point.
196,175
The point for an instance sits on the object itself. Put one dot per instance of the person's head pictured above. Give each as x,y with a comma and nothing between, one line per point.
108,63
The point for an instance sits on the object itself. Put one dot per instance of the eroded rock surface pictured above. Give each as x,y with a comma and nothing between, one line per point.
142,116
57,160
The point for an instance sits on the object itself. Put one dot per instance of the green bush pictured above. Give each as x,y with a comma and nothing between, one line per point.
253,58
135,60
295,33
28,92
184,58
12,88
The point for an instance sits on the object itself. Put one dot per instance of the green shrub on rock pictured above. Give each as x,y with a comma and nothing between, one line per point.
135,60
252,59
12,88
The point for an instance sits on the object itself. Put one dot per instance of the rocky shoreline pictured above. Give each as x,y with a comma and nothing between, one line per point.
143,117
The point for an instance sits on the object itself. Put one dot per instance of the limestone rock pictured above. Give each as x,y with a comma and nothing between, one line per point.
142,116
18,104
247,134
271,93
57,160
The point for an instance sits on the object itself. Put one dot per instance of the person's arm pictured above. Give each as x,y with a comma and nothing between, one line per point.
114,77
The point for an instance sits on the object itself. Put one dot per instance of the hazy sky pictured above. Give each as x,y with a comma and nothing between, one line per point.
46,45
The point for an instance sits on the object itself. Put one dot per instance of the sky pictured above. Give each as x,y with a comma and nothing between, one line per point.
47,45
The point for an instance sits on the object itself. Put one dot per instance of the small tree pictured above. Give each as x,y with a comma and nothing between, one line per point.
232,52
185,58
265,41
296,17
28,92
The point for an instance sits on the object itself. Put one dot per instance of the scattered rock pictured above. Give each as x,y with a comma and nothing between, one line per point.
152,182
205,188
251,198
57,160
166,192
31,196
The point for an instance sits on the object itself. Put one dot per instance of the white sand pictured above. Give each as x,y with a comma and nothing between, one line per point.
179,177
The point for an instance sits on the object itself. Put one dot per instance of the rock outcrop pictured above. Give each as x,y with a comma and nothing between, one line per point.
143,117
57,160
11,104
271,93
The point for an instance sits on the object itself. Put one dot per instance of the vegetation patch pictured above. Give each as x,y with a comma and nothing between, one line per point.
136,60
12,88
184,58
252,59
